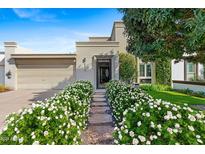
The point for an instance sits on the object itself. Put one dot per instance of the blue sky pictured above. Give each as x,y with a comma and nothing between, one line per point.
54,30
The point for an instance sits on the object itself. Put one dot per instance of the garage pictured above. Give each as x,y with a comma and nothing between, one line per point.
45,72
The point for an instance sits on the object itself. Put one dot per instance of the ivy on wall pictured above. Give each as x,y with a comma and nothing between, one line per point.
163,72
127,67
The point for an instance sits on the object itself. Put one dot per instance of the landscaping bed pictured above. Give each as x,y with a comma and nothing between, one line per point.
58,120
3,88
141,119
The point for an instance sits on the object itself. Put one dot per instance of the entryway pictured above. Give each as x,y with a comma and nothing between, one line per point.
103,72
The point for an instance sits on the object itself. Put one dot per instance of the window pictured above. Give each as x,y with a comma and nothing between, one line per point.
148,70
191,71
145,70
142,70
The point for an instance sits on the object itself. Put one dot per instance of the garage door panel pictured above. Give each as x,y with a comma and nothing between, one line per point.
45,76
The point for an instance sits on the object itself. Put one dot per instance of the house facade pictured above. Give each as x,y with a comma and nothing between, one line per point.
96,60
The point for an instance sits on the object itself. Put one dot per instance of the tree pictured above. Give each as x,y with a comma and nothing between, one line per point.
127,66
155,34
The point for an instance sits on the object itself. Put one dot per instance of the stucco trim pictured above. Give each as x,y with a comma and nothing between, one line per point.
98,44
16,56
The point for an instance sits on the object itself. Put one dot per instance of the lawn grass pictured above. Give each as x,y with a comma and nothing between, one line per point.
176,97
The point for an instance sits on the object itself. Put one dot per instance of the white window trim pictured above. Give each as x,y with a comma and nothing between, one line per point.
145,68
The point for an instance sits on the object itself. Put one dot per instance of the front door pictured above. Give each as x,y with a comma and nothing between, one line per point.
103,72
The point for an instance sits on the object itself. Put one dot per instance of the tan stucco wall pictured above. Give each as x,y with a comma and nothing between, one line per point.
87,70
119,36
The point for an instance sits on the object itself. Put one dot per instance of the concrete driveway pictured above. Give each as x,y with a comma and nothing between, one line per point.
12,101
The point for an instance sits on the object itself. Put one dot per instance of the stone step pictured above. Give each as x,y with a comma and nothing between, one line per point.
99,99
100,110
99,93
99,104
98,135
98,96
100,119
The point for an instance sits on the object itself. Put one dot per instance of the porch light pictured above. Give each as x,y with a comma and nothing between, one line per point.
8,74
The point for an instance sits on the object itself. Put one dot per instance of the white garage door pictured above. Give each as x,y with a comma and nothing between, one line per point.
45,73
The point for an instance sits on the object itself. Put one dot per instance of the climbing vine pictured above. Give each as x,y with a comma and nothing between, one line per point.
163,72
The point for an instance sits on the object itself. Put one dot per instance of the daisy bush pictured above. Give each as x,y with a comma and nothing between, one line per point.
58,120
140,119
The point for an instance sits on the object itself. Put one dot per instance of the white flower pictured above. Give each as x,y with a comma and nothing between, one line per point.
135,141
33,136
198,136
148,114
148,142
177,125
139,123
155,137
120,136
16,129
200,141
132,134
45,133
21,140
191,128
170,130
158,133
42,112
15,138
142,138
159,126
116,141
179,115
175,130
191,117
126,131
36,143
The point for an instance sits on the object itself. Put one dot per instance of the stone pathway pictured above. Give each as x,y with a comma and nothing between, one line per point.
100,122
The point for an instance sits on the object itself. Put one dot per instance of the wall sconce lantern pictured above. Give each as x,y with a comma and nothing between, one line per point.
8,74
84,60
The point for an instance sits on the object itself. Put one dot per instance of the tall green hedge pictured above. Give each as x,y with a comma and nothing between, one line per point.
127,67
163,72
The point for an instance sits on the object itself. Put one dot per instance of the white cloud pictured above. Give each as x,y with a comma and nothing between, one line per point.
34,14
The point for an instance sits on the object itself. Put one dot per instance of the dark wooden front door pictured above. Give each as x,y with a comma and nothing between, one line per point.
103,72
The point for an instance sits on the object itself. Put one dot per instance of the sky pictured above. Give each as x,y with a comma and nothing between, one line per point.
54,30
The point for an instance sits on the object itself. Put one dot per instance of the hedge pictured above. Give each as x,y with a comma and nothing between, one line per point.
58,120
140,119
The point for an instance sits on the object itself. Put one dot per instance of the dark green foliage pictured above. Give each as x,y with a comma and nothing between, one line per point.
127,66
163,72
157,33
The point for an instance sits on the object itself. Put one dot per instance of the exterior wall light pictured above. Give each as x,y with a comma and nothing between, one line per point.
8,74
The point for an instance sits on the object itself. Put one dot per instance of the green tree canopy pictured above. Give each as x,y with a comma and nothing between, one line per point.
165,33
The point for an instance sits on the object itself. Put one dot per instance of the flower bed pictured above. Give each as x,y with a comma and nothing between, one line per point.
144,120
58,120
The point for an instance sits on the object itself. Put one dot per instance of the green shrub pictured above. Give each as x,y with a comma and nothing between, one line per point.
127,66
155,87
163,72
150,121
58,120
